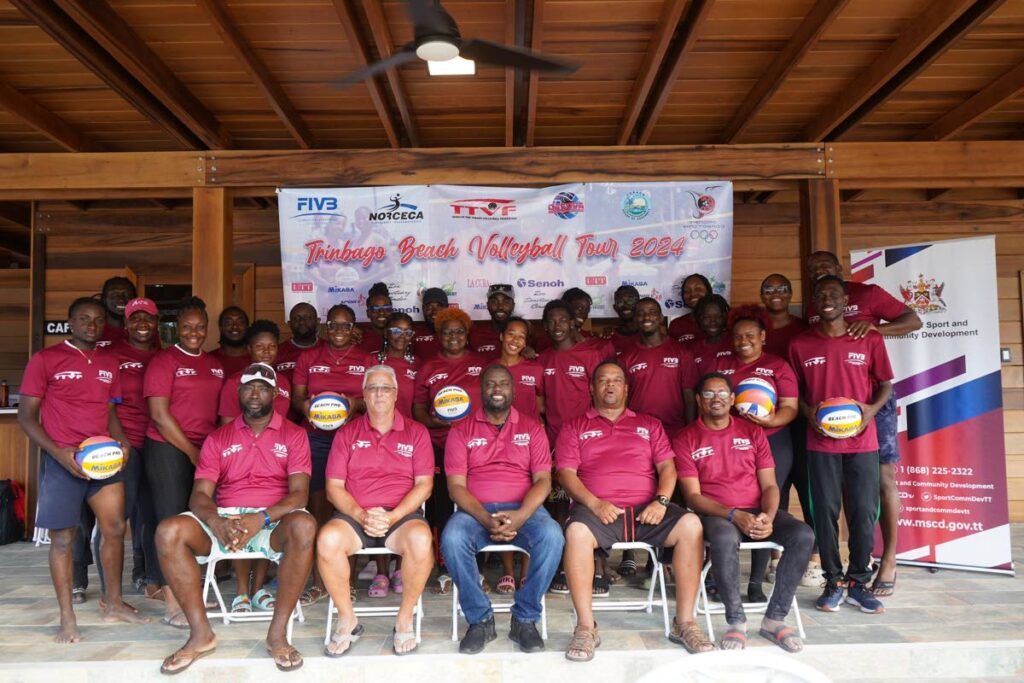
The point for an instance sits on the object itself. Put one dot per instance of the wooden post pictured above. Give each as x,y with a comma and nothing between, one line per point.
212,244
36,326
820,229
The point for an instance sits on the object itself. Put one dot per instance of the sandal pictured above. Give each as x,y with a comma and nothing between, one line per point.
153,592
506,585
584,641
264,600
173,621
396,582
883,589
444,586
348,639
602,588
241,604
734,639
312,595
690,636
784,637
559,585
399,639
379,587
283,657
627,568
183,659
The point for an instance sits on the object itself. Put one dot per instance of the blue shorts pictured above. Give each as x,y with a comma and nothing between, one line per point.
61,494
885,425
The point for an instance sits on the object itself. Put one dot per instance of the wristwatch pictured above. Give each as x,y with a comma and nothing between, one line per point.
663,500
730,515
266,520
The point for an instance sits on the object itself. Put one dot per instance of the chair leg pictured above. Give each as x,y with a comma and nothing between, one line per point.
702,599
543,618
664,597
330,618
211,582
656,565
299,613
799,621
455,611
419,618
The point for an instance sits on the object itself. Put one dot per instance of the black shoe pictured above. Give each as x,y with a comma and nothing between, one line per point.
525,634
755,593
477,636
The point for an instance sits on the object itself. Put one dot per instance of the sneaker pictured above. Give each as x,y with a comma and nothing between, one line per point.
813,577
524,633
862,597
477,636
769,573
831,598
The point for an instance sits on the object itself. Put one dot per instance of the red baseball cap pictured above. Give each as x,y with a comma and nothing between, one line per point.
140,304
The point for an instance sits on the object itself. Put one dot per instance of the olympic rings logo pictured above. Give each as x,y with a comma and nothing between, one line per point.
707,236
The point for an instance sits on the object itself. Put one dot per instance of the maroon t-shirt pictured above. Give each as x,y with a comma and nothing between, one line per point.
776,340
498,464
111,335
707,355
405,372
228,406
725,462
76,393
327,369
840,367
684,329
288,354
483,339
133,410
192,384
623,342
866,302
528,384
657,378
231,364
425,343
614,460
373,340
567,377
768,367
378,469
440,372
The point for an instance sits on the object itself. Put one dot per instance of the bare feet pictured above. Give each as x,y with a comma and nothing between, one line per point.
121,612
68,632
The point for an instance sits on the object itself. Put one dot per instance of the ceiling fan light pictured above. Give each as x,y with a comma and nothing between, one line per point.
457,66
437,51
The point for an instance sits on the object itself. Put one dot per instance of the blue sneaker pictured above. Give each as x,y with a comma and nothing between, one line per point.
831,598
862,597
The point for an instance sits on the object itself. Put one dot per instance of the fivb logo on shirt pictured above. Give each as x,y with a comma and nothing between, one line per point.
739,444
280,450
359,443
859,359
701,453
644,433
217,372
474,370
404,449
633,369
357,370
410,374
767,372
434,379
473,443
670,362
105,376
528,380
319,370
577,371
592,434
231,450
817,360
186,372
521,439
68,374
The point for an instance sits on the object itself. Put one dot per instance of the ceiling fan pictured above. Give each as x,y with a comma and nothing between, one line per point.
437,39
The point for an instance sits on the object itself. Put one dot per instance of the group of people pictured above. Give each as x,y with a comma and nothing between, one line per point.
575,442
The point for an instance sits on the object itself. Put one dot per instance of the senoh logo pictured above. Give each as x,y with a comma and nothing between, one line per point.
523,282
484,209
304,287
317,206
596,280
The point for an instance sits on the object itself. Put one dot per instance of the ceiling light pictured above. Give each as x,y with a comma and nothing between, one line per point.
452,67
437,50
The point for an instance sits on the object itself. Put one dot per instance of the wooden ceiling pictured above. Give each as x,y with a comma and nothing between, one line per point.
151,75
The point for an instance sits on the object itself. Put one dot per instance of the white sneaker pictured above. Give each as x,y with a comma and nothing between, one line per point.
769,573
813,576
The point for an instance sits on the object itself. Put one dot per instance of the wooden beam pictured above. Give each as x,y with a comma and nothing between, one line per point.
763,197
17,213
42,119
820,227
512,11
212,243
259,72
107,28
78,204
382,38
671,14
165,204
977,163
851,195
806,36
1004,88
920,31
16,239
932,195
37,287
695,18
533,79
68,35
347,16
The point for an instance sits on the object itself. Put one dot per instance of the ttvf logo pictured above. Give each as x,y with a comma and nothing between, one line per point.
317,204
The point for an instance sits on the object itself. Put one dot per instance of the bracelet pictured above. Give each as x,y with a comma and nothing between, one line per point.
730,515
266,520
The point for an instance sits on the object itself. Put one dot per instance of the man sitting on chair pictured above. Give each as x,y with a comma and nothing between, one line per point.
379,472
617,467
257,469
498,466
727,476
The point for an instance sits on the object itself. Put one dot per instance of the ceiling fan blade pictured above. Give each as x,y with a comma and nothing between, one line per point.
507,55
430,19
403,56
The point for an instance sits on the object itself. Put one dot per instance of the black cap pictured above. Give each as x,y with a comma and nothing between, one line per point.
505,289
435,294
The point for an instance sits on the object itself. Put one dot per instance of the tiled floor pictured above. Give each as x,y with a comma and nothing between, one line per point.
928,607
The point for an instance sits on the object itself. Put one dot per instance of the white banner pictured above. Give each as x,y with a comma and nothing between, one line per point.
335,243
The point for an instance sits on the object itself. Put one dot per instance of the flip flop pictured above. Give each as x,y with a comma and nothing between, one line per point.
312,595
241,604
169,620
506,585
264,600
189,657
402,639
784,637
352,637
734,635
627,568
285,654
884,589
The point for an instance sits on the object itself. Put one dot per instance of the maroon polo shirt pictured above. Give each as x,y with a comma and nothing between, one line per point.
440,372
725,462
768,367
866,302
132,411
191,383
567,377
657,378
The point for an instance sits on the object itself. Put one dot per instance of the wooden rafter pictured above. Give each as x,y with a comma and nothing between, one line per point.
511,12
653,60
72,38
165,204
533,80
107,28
920,32
851,195
932,195
382,37
264,80
347,16
15,239
695,17
996,93
42,119
821,16
18,213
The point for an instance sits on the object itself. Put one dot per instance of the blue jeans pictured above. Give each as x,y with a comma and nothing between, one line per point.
463,537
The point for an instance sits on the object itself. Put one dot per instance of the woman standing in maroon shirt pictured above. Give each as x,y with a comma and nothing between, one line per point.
337,366
684,329
776,295
714,342
397,353
182,385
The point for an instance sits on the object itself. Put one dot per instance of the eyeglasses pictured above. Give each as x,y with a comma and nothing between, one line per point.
377,309
781,289
343,326
400,332
379,389
721,393
454,332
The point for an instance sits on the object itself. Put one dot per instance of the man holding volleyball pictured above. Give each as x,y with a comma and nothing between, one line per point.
842,457
68,395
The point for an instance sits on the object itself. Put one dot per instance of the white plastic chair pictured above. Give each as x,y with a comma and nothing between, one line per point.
648,605
225,612
707,608
501,607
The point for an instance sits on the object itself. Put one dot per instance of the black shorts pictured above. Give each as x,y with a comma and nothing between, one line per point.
374,541
61,494
319,448
625,528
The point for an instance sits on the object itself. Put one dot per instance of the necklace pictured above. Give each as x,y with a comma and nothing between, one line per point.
335,358
84,355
